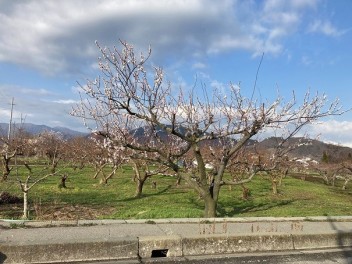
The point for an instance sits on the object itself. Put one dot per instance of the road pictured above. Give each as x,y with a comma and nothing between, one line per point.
309,257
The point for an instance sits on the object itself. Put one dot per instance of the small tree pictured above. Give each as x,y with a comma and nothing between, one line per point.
51,145
27,185
11,143
138,110
346,173
325,158
80,152
241,168
105,154
142,172
276,161
327,172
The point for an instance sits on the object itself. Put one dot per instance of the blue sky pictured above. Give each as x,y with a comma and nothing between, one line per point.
46,46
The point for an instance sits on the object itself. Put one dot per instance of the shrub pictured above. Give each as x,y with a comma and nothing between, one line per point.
7,198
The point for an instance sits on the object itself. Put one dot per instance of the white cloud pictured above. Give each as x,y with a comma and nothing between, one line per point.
16,116
306,60
326,28
218,85
304,3
199,65
5,113
69,101
36,106
36,92
58,36
335,131
77,89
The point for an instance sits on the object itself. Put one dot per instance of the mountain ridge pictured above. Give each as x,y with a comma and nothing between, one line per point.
34,129
306,148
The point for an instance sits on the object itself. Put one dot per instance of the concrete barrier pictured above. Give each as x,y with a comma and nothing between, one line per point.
117,249
168,246
222,244
215,244
321,241
130,241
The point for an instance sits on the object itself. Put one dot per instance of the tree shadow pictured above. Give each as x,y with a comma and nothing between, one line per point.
245,207
159,192
197,203
343,238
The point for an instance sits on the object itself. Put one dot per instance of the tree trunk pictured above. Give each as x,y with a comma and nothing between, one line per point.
345,184
274,186
178,181
103,181
52,168
139,188
98,169
280,180
5,175
333,180
25,205
63,181
245,192
7,169
210,207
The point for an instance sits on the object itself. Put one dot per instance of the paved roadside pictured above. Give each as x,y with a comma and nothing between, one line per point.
44,242
329,256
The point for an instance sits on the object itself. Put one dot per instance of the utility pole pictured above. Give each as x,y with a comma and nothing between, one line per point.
10,123
6,157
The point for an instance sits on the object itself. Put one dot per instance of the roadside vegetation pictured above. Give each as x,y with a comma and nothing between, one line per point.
85,198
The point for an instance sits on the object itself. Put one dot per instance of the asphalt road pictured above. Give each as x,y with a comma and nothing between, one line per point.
343,256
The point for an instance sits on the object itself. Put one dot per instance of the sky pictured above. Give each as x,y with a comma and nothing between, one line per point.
47,47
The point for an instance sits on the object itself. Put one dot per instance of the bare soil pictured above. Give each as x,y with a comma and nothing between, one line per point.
56,212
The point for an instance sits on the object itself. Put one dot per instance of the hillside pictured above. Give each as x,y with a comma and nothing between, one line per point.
307,148
37,129
301,147
310,148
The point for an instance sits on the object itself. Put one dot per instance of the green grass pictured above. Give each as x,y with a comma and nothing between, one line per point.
115,200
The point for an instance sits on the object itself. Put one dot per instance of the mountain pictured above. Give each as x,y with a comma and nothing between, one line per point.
37,129
301,147
304,148
309,148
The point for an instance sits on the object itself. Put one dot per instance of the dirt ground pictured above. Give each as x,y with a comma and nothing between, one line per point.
55,212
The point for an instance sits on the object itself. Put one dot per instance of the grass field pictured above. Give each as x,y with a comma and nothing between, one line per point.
85,198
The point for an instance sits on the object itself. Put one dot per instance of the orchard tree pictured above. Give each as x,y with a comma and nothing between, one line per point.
32,179
8,152
344,172
51,145
242,168
327,171
79,152
131,96
275,167
11,143
276,161
17,143
106,155
142,172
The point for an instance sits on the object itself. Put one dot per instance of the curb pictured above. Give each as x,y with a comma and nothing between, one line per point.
168,246
8,223
119,249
